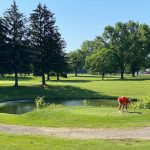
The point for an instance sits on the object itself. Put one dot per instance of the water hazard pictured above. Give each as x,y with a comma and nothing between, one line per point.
23,106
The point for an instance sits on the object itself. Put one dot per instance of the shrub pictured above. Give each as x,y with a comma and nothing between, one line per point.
40,103
143,103
52,74
55,105
86,103
64,75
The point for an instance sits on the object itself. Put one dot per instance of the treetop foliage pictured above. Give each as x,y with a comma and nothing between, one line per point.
34,46
121,48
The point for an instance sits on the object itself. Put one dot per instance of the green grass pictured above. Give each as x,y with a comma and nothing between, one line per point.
24,142
81,87
84,86
84,116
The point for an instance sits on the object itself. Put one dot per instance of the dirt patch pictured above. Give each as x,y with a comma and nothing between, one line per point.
80,133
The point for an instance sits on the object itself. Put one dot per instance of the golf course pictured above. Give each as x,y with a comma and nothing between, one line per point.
82,87
74,75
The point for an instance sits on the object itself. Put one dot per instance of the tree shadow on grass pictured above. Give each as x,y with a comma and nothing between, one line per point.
88,76
125,79
49,91
109,78
135,112
70,81
12,78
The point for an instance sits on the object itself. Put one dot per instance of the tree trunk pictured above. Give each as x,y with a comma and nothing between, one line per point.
43,79
16,79
133,74
103,75
76,73
57,76
122,76
43,72
122,72
48,76
133,70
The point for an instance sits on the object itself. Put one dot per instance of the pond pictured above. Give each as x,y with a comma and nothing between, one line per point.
23,106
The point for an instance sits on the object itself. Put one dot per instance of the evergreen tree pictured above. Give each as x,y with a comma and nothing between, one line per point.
4,61
45,40
15,23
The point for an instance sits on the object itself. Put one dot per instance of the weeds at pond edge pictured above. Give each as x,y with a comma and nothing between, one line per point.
40,103
142,103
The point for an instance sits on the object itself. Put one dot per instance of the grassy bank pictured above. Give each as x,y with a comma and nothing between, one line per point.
81,87
87,117
25,142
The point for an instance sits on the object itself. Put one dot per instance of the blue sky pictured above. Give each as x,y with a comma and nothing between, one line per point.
80,20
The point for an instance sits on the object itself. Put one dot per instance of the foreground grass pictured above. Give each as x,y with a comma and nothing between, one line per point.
87,117
18,142
83,86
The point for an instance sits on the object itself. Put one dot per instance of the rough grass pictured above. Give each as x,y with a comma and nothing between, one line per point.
24,142
84,116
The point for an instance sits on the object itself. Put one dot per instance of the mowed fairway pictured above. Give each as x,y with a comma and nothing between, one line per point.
81,87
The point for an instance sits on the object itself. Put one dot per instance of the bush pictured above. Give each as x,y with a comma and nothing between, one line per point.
52,74
40,103
64,75
143,103
55,105
86,103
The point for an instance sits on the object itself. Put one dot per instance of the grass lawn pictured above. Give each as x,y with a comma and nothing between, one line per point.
83,116
24,142
81,87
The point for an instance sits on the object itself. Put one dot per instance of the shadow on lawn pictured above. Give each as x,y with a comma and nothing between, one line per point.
125,79
135,112
12,78
88,76
71,81
49,91
107,78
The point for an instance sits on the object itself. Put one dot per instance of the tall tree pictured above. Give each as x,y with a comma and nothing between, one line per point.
15,23
4,56
43,33
75,61
86,49
147,62
117,39
139,40
100,62
59,61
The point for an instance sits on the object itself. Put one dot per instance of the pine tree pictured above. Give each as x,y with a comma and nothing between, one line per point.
15,23
43,33
4,56
59,57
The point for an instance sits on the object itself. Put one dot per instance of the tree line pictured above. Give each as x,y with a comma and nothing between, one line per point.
31,45
123,48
